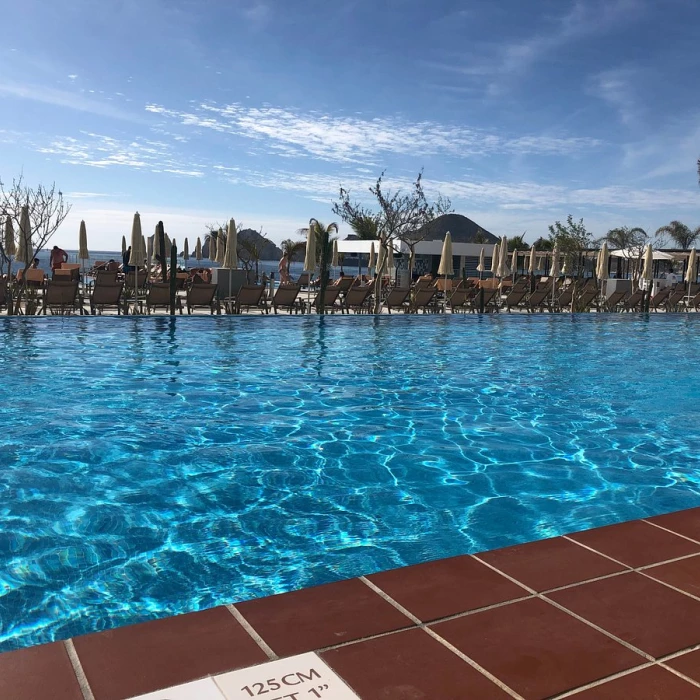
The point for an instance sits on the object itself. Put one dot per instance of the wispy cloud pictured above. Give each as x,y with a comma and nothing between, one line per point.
495,62
66,99
292,133
616,87
99,151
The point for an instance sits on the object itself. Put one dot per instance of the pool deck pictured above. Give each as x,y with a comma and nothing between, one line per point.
612,612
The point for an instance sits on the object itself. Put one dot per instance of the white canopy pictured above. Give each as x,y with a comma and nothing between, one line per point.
633,254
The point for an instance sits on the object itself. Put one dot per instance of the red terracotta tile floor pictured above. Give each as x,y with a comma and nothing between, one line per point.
607,613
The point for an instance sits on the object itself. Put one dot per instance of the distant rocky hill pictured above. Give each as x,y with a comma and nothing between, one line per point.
269,251
463,230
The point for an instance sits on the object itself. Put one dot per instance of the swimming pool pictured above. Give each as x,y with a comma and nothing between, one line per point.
150,466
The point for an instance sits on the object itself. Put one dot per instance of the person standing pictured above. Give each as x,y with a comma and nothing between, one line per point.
58,257
126,268
283,268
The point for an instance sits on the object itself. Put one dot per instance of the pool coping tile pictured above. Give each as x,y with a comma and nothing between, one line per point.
551,563
636,543
683,522
688,664
138,659
649,683
321,616
446,587
536,649
637,609
410,664
37,673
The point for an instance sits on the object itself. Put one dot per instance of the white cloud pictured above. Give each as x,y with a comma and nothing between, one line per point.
291,133
99,151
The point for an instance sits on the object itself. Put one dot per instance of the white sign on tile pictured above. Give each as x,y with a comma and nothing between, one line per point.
198,690
302,677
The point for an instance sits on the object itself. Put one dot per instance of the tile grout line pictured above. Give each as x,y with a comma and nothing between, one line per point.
673,532
477,667
78,670
423,626
251,631
602,681
680,675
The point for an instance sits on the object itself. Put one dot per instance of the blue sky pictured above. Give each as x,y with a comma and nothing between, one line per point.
193,111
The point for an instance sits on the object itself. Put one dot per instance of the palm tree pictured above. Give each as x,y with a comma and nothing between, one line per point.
291,249
365,227
324,245
518,243
543,244
682,235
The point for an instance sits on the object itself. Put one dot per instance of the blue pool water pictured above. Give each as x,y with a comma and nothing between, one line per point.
151,466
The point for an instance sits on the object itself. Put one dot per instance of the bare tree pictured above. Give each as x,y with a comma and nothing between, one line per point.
400,216
47,210
250,251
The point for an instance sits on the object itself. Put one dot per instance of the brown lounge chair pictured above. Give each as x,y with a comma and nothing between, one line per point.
634,301
286,298
331,296
397,299
357,299
106,277
304,279
251,296
490,299
460,298
516,295
587,298
35,278
540,297
659,299
104,295
343,284
60,298
425,299
201,295
158,296
616,299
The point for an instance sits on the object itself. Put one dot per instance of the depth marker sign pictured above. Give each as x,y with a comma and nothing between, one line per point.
302,677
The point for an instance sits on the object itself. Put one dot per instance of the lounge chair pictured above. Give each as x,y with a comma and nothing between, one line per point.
201,295
60,298
587,298
3,293
357,298
397,299
106,277
693,302
35,278
460,298
615,300
104,295
343,284
329,300
158,296
490,299
133,279
540,298
425,299
516,296
286,298
566,298
634,301
304,279
73,270
660,298
251,296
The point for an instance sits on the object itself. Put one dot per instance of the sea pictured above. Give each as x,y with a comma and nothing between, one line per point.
267,267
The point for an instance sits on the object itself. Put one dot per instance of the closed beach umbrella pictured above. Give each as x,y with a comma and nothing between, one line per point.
514,262
138,245
390,257
480,267
212,247
334,261
198,249
647,272
601,271
10,248
446,267
533,261
83,253
556,270
220,248
230,260
310,256
495,256
123,245
186,251
25,253
372,257
381,257
149,251
503,270
690,275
